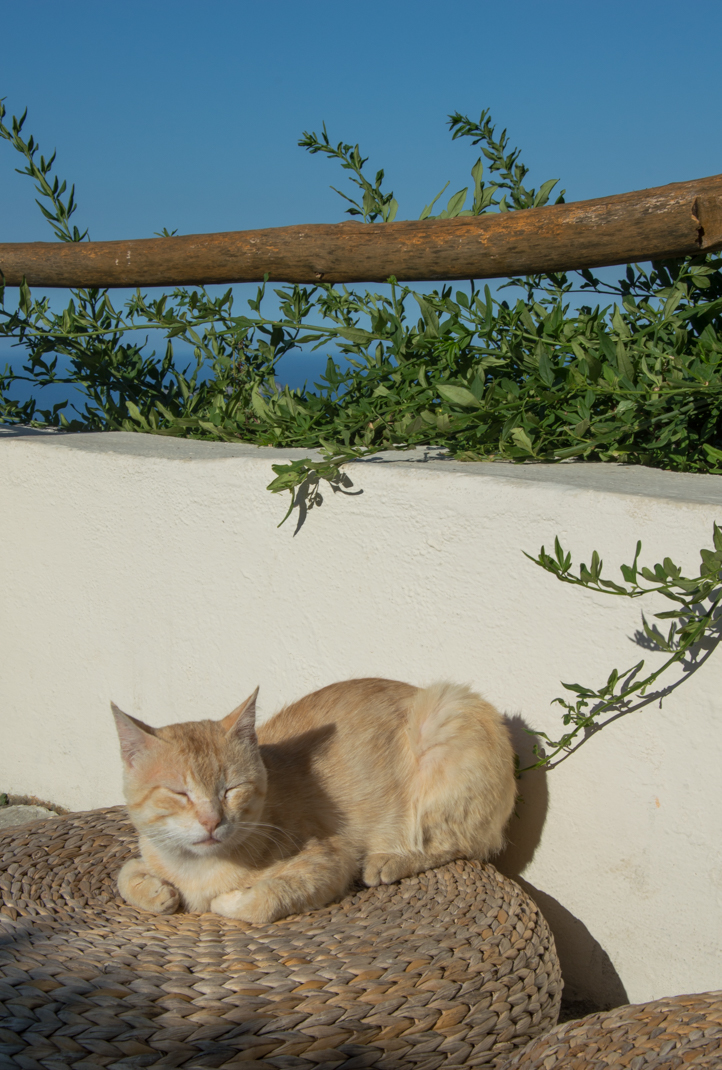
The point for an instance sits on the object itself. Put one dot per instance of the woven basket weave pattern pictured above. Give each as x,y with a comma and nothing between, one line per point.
677,1033
453,966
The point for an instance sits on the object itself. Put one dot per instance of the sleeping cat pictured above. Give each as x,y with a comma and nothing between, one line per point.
370,778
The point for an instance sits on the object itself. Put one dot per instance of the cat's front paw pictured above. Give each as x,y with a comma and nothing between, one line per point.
142,889
249,904
387,869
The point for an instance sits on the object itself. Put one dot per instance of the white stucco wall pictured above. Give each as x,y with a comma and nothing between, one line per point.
151,571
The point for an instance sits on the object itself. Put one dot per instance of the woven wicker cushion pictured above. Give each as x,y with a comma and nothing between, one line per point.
682,1031
455,965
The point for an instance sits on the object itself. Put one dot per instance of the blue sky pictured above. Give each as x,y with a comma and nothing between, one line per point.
187,115
172,114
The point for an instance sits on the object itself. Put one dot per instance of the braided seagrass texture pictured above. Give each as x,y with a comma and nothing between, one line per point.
453,966
681,1031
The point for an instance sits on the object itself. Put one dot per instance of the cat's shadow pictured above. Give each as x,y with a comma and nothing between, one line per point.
524,831
591,982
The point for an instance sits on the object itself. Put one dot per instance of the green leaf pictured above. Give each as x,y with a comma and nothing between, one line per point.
427,210
579,689
619,325
457,395
456,203
594,366
607,346
610,585
544,190
429,316
712,452
356,335
624,364
136,414
259,405
546,371
672,302
522,439
25,301
564,560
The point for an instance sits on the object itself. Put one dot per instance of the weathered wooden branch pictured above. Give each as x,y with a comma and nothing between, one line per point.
668,221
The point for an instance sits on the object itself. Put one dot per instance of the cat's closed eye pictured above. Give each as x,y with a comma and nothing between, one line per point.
235,792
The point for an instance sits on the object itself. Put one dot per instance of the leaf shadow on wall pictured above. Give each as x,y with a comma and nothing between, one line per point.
307,495
591,982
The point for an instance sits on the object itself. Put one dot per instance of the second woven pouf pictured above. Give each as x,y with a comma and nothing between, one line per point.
452,966
682,1032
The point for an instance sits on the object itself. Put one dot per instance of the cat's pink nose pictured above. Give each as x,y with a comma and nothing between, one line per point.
210,822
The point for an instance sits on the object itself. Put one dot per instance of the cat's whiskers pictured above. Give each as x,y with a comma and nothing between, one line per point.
264,832
260,825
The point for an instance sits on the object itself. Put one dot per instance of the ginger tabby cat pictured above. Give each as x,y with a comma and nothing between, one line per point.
369,778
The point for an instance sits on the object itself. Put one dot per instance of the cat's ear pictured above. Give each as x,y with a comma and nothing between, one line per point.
135,737
241,723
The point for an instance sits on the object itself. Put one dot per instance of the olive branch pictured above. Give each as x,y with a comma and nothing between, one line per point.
697,615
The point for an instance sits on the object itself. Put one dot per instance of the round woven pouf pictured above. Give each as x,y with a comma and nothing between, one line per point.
454,966
681,1031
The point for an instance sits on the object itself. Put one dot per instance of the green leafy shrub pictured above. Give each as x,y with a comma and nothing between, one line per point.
632,375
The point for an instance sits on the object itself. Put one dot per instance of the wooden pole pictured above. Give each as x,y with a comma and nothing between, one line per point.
668,221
